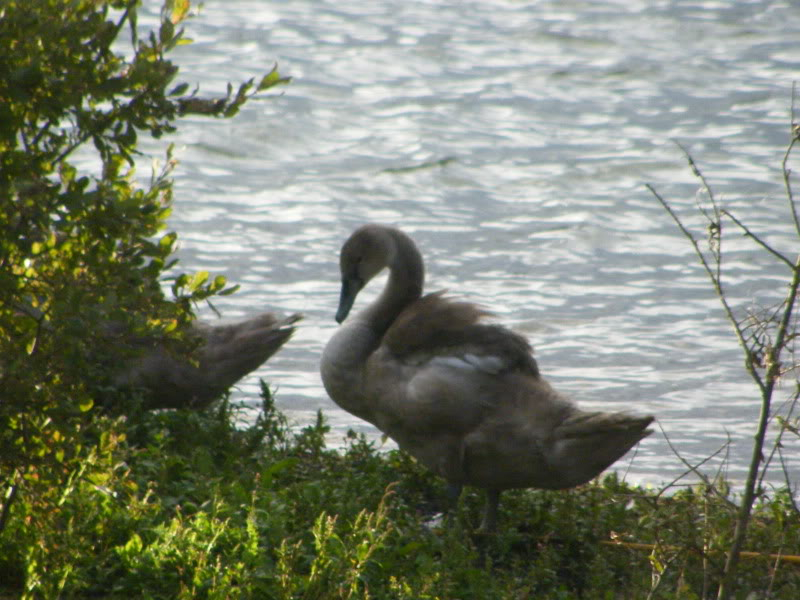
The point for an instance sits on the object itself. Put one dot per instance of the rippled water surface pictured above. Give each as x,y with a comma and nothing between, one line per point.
535,126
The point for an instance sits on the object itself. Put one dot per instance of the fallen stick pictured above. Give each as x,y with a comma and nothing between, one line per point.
790,558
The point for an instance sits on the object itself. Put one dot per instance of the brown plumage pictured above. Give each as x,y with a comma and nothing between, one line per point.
436,324
463,397
225,355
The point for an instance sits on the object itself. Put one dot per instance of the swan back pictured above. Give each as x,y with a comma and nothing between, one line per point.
436,325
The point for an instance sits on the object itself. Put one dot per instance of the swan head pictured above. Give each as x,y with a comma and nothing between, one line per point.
365,254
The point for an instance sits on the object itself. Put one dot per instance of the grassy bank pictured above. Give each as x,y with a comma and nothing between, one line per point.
186,505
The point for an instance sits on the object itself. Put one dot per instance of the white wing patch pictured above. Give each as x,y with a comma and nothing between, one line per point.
470,362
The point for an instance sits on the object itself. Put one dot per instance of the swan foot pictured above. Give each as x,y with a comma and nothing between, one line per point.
451,505
489,523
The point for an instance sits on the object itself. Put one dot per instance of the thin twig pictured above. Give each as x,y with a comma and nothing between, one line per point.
715,223
725,460
794,132
779,438
45,129
771,378
768,591
749,363
771,358
784,468
757,239
695,469
787,478
699,174
789,558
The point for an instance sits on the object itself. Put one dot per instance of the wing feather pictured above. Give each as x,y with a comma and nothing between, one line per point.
436,327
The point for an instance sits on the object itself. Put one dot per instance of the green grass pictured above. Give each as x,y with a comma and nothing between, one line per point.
186,505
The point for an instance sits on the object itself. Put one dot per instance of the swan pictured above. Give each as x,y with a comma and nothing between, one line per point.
226,353
464,397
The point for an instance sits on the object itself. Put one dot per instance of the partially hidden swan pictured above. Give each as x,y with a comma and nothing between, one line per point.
226,353
463,397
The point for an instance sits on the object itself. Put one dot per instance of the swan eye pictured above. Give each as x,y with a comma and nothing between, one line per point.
358,266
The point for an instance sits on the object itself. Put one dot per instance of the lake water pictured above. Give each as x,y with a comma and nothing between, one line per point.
535,126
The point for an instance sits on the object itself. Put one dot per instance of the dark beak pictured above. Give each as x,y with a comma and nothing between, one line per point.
350,289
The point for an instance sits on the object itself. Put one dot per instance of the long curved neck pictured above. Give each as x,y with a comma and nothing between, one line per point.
345,355
404,286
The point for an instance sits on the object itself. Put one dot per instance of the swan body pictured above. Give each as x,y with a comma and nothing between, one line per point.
463,397
225,355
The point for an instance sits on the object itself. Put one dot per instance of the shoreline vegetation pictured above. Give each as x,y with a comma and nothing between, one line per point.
100,498
185,504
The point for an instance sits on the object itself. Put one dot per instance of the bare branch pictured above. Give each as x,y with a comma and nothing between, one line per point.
771,379
757,239
786,426
695,469
786,477
699,174
749,363
763,340
776,446
787,172
715,222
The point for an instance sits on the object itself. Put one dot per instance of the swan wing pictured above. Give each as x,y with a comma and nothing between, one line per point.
437,328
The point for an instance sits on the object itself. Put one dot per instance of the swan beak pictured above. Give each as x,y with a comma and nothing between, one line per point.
350,289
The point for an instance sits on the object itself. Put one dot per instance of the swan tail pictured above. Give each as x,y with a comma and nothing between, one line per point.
589,442
232,352
226,354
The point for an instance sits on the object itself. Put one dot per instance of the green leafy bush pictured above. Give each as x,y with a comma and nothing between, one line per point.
82,254
192,506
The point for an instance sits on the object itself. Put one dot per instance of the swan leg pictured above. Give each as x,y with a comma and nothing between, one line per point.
453,494
489,524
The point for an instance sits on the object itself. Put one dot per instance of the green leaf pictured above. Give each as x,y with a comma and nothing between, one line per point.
218,283
167,241
134,545
272,79
198,279
229,291
167,32
178,10
31,345
179,90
